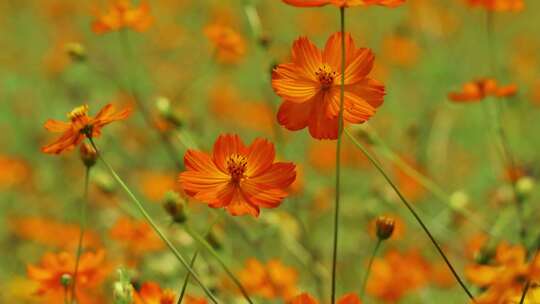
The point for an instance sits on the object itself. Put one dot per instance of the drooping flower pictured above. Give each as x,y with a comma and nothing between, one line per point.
238,178
498,5
477,90
310,87
272,280
151,293
504,277
344,3
122,15
81,126
305,298
229,45
53,267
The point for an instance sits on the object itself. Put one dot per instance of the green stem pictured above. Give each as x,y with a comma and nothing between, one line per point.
141,106
524,294
338,155
370,264
149,219
211,250
81,233
413,212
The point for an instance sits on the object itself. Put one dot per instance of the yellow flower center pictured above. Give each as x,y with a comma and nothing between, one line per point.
326,76
236,165
78,113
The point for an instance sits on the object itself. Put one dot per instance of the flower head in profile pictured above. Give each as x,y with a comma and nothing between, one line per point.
305,298
344,3
80,126
136,236
151,293
229,45
239,178
53,268
310,87
122,15
480,89
498,5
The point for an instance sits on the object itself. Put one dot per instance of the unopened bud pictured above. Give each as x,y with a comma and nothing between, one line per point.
122,289
174,207
88,154
75,51
459,200
66,279
164,108
385,227
525,186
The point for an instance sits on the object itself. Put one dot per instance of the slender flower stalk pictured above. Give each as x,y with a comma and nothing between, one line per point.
338,155
152,223
525,290
84,204
368,270
167,144
413,212
202,242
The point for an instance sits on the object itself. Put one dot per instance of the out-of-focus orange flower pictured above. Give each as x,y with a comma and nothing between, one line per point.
121,15
229,45
504,278
137,236
48,274
408,50
321,156
310,87
154,185
498,5
52,233
194,300
344,3
271,281
479,89
305,298
475,244
397,274
409,186
238,178
14,171
151,293
81,126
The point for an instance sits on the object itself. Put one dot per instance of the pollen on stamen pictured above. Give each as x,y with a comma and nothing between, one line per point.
236,165
326,75
78,112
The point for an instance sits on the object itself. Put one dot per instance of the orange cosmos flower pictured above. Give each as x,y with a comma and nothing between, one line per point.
151,293
310,87
137,236
479,89
80,126
121,15
498,5
344,3
238,178
230,45
305,298
91,273
271,281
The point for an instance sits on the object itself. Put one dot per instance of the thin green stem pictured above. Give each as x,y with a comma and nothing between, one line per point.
412,211
82,224
338,156
211,250
66,295
368,270
124,40
152,223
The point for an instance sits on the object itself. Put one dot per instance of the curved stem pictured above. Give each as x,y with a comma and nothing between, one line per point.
338,155
413,212
149,219
368,270
211,250
81,233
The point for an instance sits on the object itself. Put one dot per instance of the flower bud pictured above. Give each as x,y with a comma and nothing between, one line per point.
66,279
76,51
122,289
174,207
385,227
88,154
165,110
524,186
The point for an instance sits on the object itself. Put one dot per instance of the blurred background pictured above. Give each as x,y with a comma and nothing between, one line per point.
52,61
